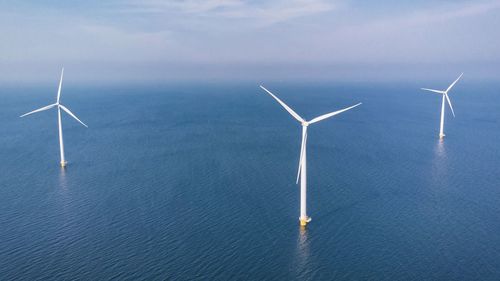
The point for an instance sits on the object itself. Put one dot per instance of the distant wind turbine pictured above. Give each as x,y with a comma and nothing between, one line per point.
302,171
59,107
445,96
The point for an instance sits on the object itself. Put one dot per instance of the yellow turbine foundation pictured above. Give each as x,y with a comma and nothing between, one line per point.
304,222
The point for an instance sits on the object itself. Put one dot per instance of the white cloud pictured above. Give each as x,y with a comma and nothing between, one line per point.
436,14
263,12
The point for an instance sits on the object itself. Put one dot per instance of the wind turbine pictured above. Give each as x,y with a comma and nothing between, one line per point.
302,171
445,96
59,107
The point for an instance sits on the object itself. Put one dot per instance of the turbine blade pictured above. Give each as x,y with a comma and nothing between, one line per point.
293,113
449,102
302,148
453,84
328,115
431,90
60,84
40,109
72,115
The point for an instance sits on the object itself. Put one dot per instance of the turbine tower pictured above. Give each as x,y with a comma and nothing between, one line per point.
302,171
59,107
445,96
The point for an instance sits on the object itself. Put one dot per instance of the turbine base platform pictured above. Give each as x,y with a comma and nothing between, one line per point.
304,221
441,136
63,164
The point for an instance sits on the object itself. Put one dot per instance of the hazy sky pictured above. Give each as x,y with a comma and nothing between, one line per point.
142,40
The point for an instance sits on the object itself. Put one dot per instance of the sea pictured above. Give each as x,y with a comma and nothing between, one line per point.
196,181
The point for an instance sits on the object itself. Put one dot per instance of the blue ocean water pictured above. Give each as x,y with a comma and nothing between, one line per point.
197,182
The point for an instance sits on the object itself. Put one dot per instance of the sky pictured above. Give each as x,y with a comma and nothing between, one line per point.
175,40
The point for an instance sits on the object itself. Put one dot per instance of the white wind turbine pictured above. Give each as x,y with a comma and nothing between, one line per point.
445,96
59,107
302,171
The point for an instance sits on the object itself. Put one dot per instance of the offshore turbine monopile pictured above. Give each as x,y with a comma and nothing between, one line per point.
302,171
59,107
445,96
